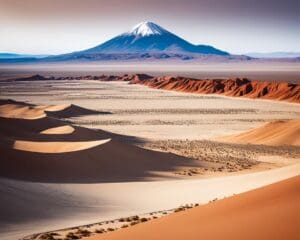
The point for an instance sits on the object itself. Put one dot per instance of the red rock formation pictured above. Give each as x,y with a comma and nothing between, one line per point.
229,87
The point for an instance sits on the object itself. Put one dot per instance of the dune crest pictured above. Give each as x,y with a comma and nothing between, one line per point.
21,110
53,108
24,112
40,150
56,147
274,133
66,129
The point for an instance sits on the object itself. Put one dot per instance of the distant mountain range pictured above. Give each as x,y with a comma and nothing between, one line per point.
18,56
146,41
274,55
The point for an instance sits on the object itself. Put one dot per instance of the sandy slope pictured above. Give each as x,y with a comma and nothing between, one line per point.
56,147
274,133
22,110
59,130
84,155
55,206
44,191
19,111
271,212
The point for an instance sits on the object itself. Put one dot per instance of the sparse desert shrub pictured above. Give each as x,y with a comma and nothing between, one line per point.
71,235
144,219
179,209
133,223
135,218
99,230
84,232
47,236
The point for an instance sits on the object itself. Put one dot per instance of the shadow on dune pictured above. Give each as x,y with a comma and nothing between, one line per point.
114,161
74,111
111,162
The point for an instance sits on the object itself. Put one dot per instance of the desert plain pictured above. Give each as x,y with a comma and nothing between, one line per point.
92,159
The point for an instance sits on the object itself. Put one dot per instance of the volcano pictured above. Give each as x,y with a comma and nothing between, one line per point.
145,40
149,37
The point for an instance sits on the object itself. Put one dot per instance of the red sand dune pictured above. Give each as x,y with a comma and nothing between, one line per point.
276,133
271,212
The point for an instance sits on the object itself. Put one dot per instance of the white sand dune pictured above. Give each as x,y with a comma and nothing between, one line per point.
66,129
56,147
29,208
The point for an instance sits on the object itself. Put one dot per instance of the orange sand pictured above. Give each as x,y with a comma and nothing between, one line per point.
275,133
271,212
66,129
56,147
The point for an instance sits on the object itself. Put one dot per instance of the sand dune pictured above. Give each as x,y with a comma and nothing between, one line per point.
271,212
56,147
14,109
85,155
51,189
67,129
67,111
274,133
22,203
19,111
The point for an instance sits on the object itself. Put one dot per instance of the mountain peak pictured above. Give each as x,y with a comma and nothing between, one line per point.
147,29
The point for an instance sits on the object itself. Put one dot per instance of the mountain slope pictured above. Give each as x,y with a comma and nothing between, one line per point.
149,37
147,40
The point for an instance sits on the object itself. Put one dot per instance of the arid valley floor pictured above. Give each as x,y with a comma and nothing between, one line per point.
120,154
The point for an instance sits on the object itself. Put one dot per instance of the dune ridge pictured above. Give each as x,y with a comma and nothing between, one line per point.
237,87
56,147
275,133
82,155
271,212
66,129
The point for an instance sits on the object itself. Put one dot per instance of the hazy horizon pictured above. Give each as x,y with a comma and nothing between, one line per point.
54,27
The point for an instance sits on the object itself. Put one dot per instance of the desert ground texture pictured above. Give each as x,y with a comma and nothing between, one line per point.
159,150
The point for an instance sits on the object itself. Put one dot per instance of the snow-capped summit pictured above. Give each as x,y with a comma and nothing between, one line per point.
147,29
